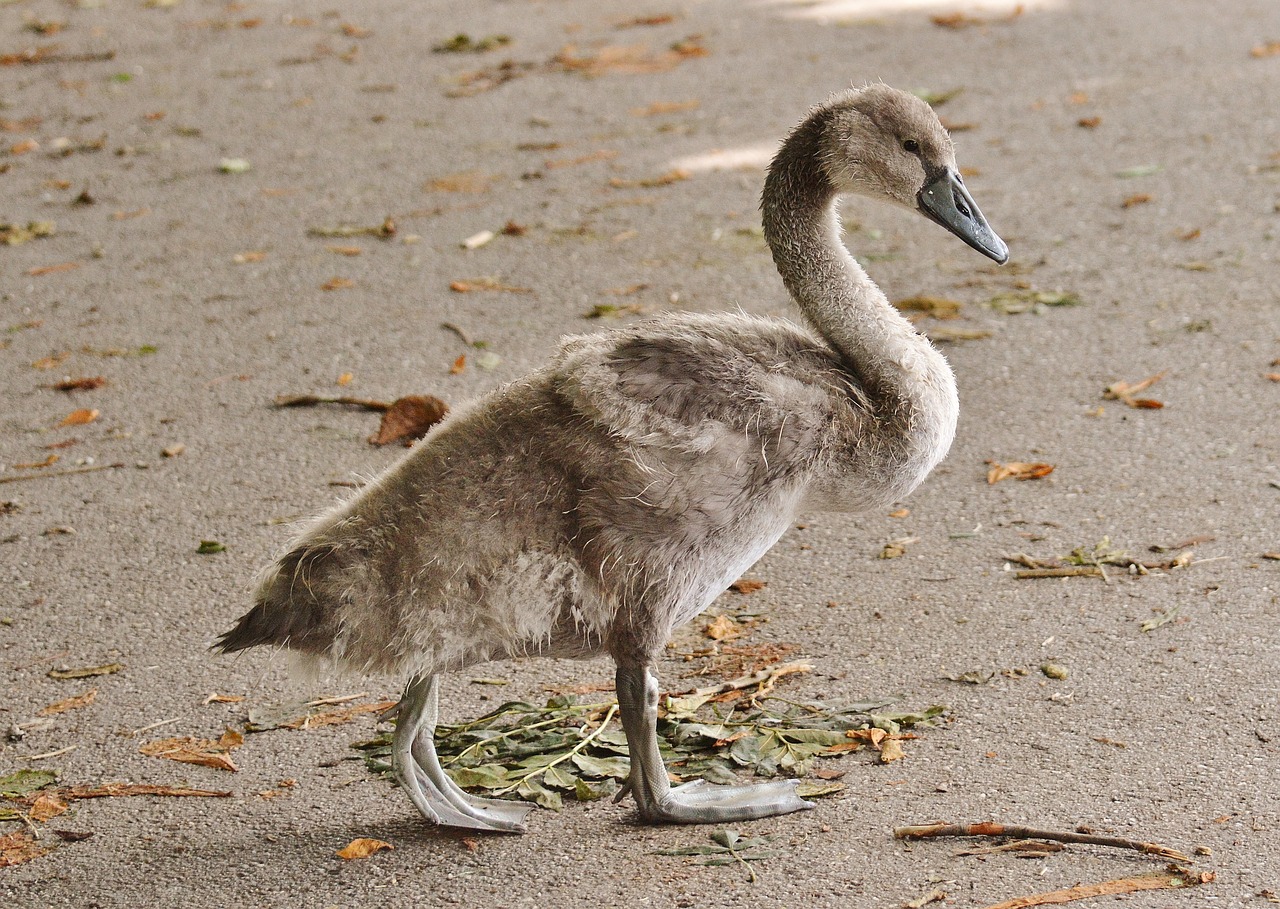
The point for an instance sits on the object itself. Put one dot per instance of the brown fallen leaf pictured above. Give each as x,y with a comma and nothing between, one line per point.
79,417
891,750
603,154
635,59
478,284
84,383
51,269
1177,878
1089,122
671,176
1018,470
458,365
896,549
938,307
246,257
362,847
408,419
664,107
345,250
72,836
1125,392
1136,199
46,806
50,361
223,699
642,21
747,585
187,749
345,379
18,847
470,181
961,20
1273,376
173,451
1269,49
337,283
336,717
71,703
722,628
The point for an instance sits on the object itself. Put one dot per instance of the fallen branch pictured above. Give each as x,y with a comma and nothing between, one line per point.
1174,879
60,473
1071,571
923,831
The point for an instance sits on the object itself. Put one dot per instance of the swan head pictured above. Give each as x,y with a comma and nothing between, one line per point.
888,144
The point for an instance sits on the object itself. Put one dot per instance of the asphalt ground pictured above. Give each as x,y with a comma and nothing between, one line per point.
199,295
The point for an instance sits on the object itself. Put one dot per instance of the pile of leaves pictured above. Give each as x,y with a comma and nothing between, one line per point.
578,750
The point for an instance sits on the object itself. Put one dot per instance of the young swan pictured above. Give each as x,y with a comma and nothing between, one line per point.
600,502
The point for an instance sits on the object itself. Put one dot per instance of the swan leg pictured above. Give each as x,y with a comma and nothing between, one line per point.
697,802
418,768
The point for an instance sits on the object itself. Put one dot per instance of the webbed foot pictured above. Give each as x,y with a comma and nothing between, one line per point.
700,802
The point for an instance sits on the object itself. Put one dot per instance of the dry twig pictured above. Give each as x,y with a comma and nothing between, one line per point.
923,831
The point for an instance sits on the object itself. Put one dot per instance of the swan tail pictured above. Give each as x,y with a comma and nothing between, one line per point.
290,610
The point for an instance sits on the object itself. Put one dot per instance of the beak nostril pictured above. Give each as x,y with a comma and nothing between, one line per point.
960,206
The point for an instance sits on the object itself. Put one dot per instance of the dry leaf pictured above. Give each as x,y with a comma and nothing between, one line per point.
46,806
72,703
345,379
362,848
51,361
205,752
476,284
938,307
337,283
664,107
1089,122
336,717
1125,391
671,176
18,847
721,628
471,181
661,19
344,250
173,451
895,549
1136,199
223,699
900,513
246,257
51,269
84,383
1269,49
747,585
633,59
604,154
408,419
1017,470
79,417
890,751
458,365
1176,879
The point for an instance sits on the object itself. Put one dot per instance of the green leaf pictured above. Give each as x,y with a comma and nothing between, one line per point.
209,547
816,789
534,791
1140,170
560,778
486,776
584,791
615,767
24,782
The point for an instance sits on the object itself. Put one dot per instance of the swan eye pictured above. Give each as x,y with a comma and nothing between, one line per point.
911,145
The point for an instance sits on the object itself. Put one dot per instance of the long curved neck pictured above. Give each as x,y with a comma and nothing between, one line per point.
906,380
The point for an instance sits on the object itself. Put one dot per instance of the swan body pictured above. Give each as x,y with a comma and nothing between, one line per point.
600,502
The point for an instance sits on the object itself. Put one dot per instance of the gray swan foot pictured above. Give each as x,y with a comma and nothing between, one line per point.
700,802
433,793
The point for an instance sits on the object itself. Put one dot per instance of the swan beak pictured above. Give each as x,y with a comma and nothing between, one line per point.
946,200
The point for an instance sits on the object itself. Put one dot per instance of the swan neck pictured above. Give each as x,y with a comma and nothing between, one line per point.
904,378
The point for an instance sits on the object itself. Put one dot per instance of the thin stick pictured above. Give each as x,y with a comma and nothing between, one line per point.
155,725
613,708
991,829
49,754
1073,571
312,400
60,473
